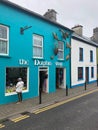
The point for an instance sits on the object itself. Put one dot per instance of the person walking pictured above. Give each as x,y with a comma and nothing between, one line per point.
19,87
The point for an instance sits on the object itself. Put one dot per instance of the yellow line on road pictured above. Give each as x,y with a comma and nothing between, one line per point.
20,118
62,102
2,126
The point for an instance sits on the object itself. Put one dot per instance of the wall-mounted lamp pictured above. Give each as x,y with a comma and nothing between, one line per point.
22,29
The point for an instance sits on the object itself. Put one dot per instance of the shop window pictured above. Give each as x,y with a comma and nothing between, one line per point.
4,39
80,54
92,72
60,50
37,46
12,74
80,73
91,56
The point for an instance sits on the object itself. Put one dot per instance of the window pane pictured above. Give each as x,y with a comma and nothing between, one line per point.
60,45
81,54
3,47
60,50
80,73
37,52
12,74
37,46
60,55
92,72
91,56
3,32
37,40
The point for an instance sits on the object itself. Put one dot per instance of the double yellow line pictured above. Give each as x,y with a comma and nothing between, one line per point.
62,102
20,118
2,126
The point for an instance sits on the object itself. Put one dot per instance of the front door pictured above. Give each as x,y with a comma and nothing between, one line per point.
60,78
87,74
43,79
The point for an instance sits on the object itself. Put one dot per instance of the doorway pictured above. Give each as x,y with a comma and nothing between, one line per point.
43,79
87,74
60,78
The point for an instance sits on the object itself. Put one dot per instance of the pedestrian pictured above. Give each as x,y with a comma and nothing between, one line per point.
19,87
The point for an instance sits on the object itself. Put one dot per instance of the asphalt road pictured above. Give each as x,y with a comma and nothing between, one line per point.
79,114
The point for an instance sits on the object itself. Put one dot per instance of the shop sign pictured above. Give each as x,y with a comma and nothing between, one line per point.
38,62
23,62
59,64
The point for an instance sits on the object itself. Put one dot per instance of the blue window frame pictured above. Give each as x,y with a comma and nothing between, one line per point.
92,72
80,73
91,56
80,54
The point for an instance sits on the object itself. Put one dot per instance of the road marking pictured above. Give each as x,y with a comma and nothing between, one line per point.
2,126
62,102
20,118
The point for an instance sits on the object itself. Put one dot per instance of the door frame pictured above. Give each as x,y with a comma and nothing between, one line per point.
64,77
43,68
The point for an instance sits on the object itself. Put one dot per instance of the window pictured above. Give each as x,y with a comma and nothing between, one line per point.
80,73
81,54
4,39
12,74
92,72
37,46
91,56
60,50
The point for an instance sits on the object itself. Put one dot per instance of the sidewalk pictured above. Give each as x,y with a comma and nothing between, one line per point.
29,105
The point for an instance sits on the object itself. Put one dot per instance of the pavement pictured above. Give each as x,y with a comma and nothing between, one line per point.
9,110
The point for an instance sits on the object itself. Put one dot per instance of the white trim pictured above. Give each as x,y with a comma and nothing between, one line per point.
38,46
7,40
61,50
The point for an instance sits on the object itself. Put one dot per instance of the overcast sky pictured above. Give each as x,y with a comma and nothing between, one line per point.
70,12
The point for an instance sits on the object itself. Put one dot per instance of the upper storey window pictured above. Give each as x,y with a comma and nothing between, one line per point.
37,46
4,40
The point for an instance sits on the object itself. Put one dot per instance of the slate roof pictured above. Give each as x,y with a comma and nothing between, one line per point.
84,39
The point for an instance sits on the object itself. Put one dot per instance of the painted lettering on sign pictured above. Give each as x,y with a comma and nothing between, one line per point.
23,62
59,64
38,62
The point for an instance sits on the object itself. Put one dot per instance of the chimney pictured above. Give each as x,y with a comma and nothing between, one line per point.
51,15
95,35
78,29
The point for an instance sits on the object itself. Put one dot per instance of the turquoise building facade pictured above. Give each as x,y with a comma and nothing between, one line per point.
31,44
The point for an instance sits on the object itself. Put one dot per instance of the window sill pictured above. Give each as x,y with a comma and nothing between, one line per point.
14,93
5,56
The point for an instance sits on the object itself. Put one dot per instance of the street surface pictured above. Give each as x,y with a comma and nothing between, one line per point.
78,114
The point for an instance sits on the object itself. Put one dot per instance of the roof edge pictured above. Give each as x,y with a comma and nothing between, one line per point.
33,13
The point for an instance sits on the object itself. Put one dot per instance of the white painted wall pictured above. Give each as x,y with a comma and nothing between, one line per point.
75,63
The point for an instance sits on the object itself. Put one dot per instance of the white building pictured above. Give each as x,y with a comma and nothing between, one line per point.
83,59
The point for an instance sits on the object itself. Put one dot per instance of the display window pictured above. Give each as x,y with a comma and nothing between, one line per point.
12,74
